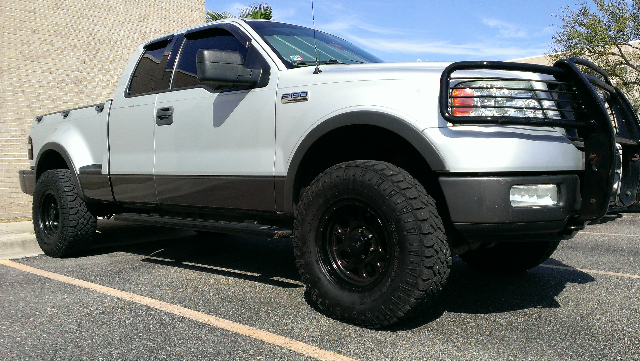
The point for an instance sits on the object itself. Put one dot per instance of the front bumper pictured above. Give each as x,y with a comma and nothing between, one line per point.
27,181
480,207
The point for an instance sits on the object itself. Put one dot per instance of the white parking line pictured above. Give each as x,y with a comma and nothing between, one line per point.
238,328
592,271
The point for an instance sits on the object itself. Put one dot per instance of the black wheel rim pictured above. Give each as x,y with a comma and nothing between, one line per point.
49,215
355,245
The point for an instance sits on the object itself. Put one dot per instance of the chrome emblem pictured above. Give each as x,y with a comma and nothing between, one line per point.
295,97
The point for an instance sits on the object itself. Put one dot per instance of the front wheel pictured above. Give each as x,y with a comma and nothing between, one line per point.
510,257
369,244
62,223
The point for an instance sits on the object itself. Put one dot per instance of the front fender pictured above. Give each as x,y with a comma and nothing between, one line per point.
360,117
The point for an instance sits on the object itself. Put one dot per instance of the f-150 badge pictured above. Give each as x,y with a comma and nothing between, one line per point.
295,97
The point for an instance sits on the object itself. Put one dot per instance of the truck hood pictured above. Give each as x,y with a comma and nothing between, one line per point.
338,73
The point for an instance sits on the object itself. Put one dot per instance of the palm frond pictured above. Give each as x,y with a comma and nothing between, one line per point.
257,11
214,16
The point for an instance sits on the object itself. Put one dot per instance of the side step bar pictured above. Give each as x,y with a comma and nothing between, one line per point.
245,228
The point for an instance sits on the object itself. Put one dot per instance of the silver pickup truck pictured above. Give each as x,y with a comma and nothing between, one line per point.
380,171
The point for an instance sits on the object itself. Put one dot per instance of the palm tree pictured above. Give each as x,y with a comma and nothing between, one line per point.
255,11
214,15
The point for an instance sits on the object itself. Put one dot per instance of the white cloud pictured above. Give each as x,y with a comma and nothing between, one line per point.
505,29
234,8
354,23
282,14
476,50
390,40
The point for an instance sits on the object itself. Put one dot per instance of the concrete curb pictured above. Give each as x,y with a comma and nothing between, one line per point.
17,240
18,246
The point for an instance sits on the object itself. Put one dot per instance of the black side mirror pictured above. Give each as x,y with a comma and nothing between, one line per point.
224,66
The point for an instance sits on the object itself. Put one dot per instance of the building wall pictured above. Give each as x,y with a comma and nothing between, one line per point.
58,54
541,60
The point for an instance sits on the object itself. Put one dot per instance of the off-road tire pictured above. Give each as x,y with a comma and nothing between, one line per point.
63,225
510,257
369,244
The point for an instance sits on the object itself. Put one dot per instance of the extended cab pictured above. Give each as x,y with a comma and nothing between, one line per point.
381,171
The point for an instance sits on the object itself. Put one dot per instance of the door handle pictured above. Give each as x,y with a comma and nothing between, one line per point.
164,116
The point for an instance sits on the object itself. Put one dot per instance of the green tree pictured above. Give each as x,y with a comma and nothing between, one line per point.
607,34
255,11
214,16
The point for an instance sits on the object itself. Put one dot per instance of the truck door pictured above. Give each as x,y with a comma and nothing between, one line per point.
131,125
215,141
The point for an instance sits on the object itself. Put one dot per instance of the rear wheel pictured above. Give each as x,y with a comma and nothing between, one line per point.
369,244
510,257
62,223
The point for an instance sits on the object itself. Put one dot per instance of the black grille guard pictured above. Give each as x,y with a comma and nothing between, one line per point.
578,96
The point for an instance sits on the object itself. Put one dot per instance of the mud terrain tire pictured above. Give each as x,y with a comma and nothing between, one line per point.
369,244
62,223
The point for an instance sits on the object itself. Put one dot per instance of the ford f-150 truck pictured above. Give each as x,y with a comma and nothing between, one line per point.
380,171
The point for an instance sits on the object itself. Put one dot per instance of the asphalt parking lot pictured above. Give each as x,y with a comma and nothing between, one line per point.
144,293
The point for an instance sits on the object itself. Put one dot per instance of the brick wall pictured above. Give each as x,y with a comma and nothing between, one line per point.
58,54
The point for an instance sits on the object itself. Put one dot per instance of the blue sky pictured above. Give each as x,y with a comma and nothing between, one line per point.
445,30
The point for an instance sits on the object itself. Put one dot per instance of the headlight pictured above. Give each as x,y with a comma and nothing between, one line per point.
534,195
500,98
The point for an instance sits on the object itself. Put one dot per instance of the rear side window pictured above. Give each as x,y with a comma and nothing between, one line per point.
216,39
151,73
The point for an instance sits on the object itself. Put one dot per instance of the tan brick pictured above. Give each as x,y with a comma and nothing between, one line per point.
71,56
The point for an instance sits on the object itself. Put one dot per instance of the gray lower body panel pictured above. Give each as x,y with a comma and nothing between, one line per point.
27,181
256,193
251,193
134,188
480,206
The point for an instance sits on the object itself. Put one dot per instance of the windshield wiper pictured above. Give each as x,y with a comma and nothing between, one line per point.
324,62
342,61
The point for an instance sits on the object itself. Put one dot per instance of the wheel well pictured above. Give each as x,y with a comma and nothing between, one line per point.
49,160
54,159
362,142
369,142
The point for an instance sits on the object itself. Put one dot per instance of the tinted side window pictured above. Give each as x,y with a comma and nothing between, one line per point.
216,39
152,74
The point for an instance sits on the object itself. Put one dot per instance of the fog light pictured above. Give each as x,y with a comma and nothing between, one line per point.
534,195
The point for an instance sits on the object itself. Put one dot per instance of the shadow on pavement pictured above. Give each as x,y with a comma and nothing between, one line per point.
272,262
471,291
610,217
268,261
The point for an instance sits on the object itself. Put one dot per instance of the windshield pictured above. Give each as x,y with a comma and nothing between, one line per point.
294,44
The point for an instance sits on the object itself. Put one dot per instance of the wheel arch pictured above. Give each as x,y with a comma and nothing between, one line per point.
54,156
310,157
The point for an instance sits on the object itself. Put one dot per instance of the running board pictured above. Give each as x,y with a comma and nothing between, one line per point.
244,228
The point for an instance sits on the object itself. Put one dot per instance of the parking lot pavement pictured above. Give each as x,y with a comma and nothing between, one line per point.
170,299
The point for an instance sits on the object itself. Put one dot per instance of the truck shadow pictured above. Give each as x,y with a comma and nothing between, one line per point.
471,291
610,217
271,262
247,258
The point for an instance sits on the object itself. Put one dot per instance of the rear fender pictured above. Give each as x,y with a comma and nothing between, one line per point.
42,165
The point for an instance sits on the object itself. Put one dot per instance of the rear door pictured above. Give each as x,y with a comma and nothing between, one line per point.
132,126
